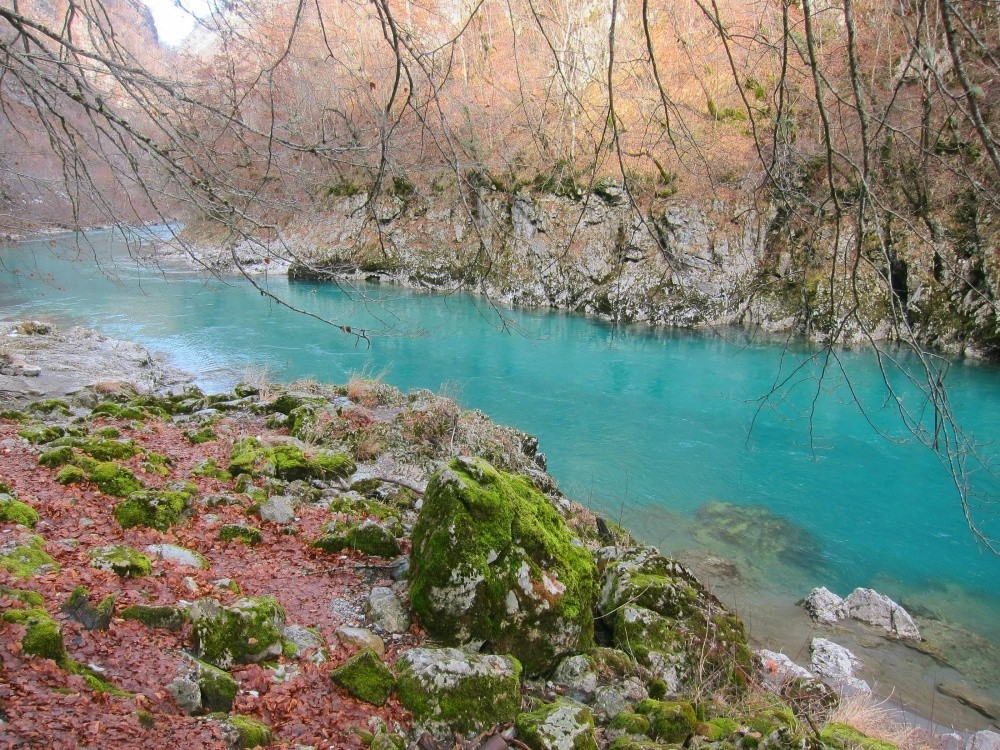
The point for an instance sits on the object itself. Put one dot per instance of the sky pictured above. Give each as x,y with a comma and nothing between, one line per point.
174,22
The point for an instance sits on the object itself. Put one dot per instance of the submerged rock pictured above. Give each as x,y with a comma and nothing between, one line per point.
493,562
450,691
873,608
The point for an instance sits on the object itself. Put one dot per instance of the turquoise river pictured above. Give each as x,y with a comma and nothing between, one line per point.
663,431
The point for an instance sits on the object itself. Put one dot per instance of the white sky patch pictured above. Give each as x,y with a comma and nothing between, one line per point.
175,20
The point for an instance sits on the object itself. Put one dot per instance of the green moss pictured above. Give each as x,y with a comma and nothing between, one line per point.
373,539
331,543
472,703
218,688
56,457
562,724
204,435
14,511
250,732
245,632
39,435
480,526
287,462
154,509
108,433
52,405
107,450
78,607
631,723
848,738
121,560
71,475
116,411
42,636
145,718
718,729
27,558
93,679
31,599
633,743
112,479
6,489
13,415
208,468
670,721
247,534
162,617
365,677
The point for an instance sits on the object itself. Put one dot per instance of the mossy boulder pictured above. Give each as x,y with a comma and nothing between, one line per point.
365,677
71,475
203,435
114,479
98,448
631,723
217,686
24,556
563,725
250,630
163,617
247,732
449,691
42,636
288,462
14,511
664,616
121,560
40,435
669,721
154,509
78,607
719,728
56,457
118,411
238,531
493,561
31,599
371,537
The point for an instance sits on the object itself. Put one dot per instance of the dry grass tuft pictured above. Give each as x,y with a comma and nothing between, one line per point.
878,719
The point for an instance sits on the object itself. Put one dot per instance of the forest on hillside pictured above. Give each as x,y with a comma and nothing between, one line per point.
858,137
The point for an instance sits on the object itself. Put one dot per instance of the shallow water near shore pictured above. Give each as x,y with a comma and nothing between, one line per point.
650,428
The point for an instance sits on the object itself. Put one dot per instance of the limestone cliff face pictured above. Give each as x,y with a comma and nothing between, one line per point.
674,263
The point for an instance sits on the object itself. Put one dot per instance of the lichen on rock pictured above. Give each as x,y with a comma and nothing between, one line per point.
494,562
562,725
249,630
121,560
24,556
449,691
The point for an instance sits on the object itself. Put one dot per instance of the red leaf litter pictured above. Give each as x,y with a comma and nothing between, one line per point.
44,706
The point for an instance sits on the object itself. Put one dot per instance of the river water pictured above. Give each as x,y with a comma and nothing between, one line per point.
663,431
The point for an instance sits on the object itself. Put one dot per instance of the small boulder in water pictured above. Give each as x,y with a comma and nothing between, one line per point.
823,605
869,606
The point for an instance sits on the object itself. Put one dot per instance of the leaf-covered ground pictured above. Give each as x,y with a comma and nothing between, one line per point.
44,706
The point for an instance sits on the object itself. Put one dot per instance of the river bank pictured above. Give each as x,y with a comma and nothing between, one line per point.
778,614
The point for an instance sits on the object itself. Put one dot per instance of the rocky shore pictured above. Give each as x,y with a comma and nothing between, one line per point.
347,566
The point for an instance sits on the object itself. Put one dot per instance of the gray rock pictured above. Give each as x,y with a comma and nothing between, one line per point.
431,679
823,605
278,509
873,608
384,610
562,725
577,675
186,693
609,701
303,640
178,555
837,664
777,669
984,740
359,638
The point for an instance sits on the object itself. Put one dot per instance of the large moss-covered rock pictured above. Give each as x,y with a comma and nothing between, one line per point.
165,617
563,725
114,479
217,686
493,561
449,691
247,732
365,677
154,509
670,721
24,556
664,616
250,630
